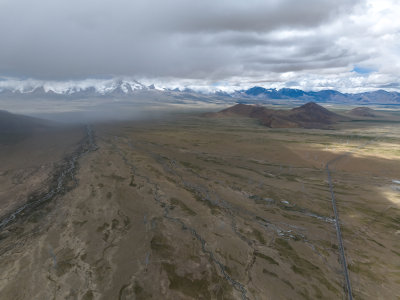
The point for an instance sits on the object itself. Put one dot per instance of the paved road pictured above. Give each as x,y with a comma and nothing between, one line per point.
338,231
337,221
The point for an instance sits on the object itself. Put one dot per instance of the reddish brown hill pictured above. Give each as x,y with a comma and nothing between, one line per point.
310,115
363,112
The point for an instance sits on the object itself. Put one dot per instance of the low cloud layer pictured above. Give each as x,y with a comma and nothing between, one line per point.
308,44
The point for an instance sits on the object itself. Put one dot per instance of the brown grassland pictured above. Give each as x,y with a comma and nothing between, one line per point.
211,208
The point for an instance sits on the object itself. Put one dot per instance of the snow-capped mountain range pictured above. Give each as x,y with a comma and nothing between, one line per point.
91,86
122,88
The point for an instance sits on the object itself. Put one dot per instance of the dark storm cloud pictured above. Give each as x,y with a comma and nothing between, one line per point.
60,39
258,16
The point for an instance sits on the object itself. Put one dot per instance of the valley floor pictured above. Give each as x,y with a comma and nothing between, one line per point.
200,208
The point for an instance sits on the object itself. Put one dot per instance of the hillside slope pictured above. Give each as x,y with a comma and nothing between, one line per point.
15,127
309,115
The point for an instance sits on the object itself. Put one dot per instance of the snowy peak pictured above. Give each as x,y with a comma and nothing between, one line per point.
90,87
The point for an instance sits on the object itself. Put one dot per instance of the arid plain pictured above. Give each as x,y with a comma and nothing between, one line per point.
209,208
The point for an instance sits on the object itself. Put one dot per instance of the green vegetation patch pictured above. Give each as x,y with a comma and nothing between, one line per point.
159,244
241,177
154,170
191,166
199,197
258,235
364,269
302,266
265,271
395,252
132,182
115,177
196,288
183,206
64,261
88,295
267,258
288,283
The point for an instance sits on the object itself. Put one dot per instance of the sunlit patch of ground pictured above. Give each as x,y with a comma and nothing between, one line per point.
392,193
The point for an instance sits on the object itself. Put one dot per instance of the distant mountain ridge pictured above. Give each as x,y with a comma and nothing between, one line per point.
379,96
128,88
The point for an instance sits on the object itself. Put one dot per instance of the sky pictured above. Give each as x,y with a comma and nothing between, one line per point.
348,45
